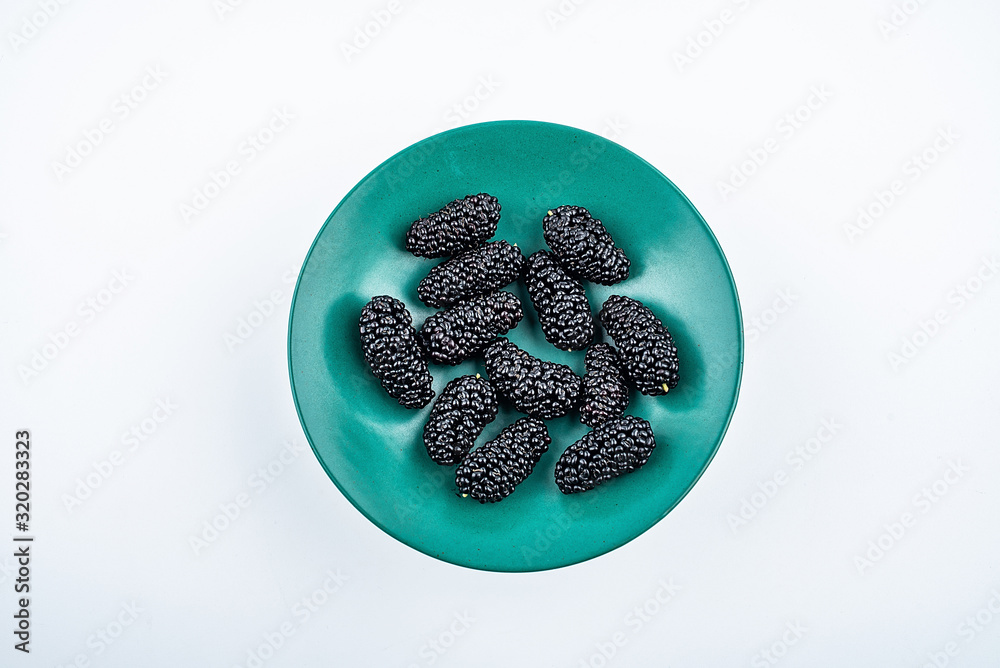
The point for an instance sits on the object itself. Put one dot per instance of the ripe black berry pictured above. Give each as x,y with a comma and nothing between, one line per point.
584,246
466,328
645,347
474,272
460,225
605,395
617,447
391,350
465,406
492,471
541,389
561,303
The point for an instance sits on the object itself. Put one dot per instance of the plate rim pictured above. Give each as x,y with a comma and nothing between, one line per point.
467,128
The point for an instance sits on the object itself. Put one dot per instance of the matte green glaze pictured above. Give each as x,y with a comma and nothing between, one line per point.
372,447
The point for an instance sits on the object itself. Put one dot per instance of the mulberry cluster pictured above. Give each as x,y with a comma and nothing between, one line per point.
561,303
466,328
614,448
390,347
463,409
584,246
647,351
477,313
474,272
492,471
462,224
538,388
605,394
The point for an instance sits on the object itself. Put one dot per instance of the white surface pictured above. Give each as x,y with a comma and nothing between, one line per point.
607,65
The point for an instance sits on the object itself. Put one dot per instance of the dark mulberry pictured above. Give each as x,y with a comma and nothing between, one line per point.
605,395
561,303
646,349
584,246
462,224
491,472
474,272
541,389
463,409
391,349
466,328
614,448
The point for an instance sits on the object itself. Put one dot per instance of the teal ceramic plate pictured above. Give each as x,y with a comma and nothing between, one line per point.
372,447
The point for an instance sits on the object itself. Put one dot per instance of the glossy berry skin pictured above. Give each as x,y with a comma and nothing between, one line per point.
491,472
584,247
390,347
463,409
645,347
465,329
536,387
560,301
458,226
605,394
616,447
474,272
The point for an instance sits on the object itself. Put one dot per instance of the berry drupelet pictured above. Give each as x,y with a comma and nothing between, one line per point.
538,388
645,347
584,247
561,303
616,447
491,472
474,272
460,225
466,328
391,349
605,395
463,409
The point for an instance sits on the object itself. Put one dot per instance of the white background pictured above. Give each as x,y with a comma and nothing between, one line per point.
857,296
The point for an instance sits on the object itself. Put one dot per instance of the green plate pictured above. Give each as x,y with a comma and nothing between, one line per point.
372,447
